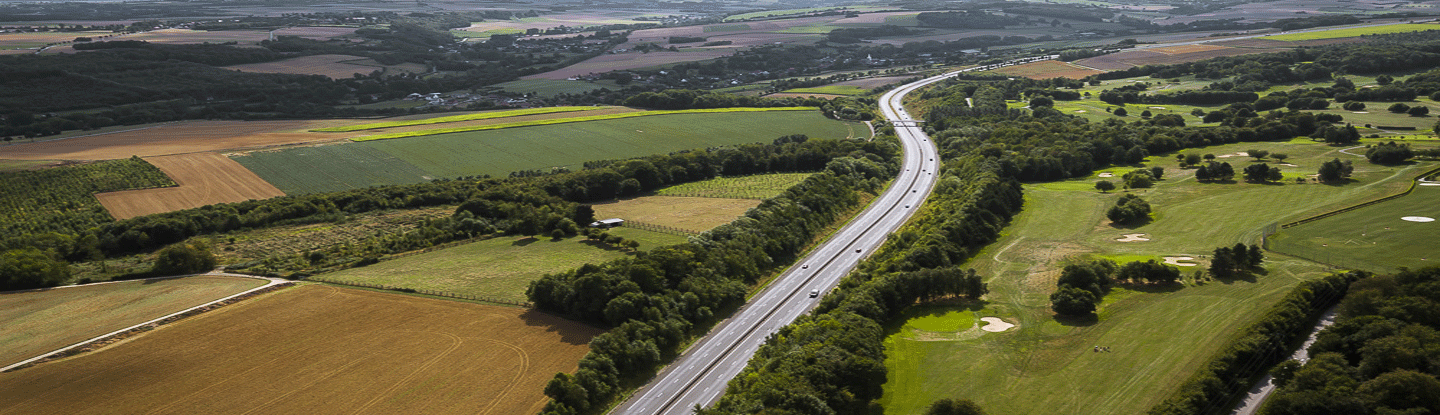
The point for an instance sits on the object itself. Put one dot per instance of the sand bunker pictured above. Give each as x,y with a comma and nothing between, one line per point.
1081,111
1176,261
1418,219
1133,237
1157,108
1233,155
1430,184
1107,174
995,324
1361,112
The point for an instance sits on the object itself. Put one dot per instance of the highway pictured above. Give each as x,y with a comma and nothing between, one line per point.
699,376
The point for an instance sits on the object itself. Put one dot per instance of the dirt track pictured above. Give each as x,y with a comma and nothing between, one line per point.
204,179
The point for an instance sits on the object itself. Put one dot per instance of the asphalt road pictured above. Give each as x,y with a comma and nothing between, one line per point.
699,376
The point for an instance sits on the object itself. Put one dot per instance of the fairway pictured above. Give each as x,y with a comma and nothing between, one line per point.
500,267
1373,238
1154,333
317,349
36,322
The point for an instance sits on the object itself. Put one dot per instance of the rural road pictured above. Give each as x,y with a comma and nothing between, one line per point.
699,376
270,282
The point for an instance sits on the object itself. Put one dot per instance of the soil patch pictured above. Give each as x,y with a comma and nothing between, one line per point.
1133,237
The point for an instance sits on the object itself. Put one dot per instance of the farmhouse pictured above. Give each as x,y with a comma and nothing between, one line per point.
607,223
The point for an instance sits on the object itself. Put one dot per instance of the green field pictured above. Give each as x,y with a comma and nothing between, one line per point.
455,118
1373,238
760,186
330,168
36,322
903,20
499,152
830,89
1157,335
1357,31
727,28
552,87
499,267
567,120
777,13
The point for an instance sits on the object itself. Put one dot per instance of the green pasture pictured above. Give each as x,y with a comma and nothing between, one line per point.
500,152
11,165
727,28
553,87
36,322
1048,366
1373,238
831,89
760,186
330,168
500,267
1355,31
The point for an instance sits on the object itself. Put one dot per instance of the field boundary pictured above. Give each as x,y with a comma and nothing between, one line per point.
272,284
1413,182
421,291
533,123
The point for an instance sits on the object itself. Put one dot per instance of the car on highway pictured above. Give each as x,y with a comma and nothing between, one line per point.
806,266
814,293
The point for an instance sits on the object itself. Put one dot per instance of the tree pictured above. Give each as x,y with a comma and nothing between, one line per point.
1145,114
1399,108
1192,159
1138,179
1419,111
1209,157
1222,263
1259,173
182,258
1389,153
1258,154
1041,101
1120,112
1280,157
1129,209
1071,301
950,406
1157,172
1104,186
1334,171
31,268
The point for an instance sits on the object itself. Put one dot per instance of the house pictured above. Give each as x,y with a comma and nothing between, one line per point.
607,223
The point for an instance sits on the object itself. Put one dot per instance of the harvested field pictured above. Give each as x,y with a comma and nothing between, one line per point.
1175,50
37,322
29,42
804,95
1047,70
632,60
316,32
333,66
171,138
203,178
693,213
317,349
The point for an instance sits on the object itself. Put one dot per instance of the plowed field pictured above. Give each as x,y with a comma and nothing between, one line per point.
203,178
316,350
174,138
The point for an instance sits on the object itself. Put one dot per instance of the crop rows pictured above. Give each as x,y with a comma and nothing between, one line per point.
569,120
453,118
763,186
62,199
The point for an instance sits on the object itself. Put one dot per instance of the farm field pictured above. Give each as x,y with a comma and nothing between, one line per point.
552,20
760,186
1374,238
1170,55
329,168
1356,31
62,199
499,152
170,138
203,179
1047,70
30,42
696,214
36,322
843,90
317,349
333,66
485,115
1046,366
500,267
552,87
590,117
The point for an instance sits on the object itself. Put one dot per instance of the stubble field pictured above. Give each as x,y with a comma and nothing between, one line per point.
171,138
37,322
203,179
319,350
1047,70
